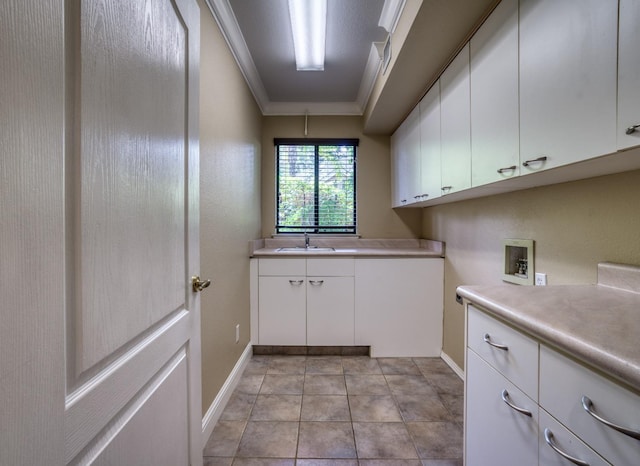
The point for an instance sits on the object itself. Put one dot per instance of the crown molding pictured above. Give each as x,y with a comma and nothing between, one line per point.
223,14
226,20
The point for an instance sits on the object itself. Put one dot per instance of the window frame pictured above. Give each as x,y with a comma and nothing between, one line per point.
316,228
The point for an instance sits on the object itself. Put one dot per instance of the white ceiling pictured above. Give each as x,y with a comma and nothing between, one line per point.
259,35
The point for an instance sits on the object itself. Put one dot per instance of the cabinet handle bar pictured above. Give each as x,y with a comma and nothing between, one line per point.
530,161
296,282
505,398
507,169
548,437
487,339
587,404
632,129
316,282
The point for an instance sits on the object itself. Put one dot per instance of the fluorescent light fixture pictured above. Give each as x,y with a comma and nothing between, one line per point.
309,26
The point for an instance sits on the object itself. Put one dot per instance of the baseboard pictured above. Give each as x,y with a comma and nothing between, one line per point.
459,372
215,410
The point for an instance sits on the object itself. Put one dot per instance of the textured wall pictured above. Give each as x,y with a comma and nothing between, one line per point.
575,225
376,219
230,204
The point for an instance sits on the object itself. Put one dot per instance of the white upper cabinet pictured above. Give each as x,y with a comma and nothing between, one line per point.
567,81
629,74
430,144
405,161
456,124
494,97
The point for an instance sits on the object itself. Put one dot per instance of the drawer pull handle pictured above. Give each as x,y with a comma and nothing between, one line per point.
587,404
296,282
316,282
507,169
487,339
548,437
505,398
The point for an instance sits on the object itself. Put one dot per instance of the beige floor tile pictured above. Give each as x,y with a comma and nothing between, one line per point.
269,440
324,365
316,384
366,385
327,462
395,366
385,440
437,440
264,462
395,462
455,404
225,439
457,462
282,385
422,408
361,365
249,384
432,365
325,408
373,408
410,385
238,407
277,408
326,440
450,384
287,365
217,461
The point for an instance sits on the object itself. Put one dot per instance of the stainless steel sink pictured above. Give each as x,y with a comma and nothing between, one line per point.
310,249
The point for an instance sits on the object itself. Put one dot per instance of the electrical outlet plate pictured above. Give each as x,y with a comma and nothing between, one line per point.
541,279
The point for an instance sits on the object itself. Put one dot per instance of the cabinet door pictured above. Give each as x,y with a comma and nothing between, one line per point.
405,144
399,305
495,151
495,433
282,310
330,311
431,178
629,74
455,113
568,53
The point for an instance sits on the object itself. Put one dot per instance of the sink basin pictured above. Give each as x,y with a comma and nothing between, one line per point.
310,249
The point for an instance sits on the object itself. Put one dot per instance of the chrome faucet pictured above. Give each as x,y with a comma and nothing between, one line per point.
306,240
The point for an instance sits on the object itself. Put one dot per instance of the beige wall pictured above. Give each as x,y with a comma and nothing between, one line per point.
376,219
230,204
574,225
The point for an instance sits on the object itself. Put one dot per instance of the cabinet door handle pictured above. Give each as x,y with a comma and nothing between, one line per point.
505,398
296,282
632,129
446,188
507,169
548,437
316,282
587,404
526,163
487,339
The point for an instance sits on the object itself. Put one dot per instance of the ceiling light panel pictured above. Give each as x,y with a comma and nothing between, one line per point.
309,27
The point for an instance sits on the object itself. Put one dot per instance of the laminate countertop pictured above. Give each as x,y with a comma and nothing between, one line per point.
346,247
597,324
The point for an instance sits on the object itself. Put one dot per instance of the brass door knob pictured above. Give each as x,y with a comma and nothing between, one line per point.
199,285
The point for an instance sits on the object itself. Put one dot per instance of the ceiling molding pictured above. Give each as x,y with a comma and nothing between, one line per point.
390,14
224,16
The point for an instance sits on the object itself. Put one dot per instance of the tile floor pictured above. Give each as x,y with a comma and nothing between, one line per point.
341,410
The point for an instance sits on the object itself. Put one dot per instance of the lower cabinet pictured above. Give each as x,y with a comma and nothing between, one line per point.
399,306
393,305
504,426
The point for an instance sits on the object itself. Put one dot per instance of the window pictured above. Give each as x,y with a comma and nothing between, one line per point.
316,183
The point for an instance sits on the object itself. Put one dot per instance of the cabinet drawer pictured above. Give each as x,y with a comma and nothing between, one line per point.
320,267
564,441
564,383
517,356
281,267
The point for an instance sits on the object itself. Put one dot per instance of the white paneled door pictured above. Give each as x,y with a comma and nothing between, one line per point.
109,373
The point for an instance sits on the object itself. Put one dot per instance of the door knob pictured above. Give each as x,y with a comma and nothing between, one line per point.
199,285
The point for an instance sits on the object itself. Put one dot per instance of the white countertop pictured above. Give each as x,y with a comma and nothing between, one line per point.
597,324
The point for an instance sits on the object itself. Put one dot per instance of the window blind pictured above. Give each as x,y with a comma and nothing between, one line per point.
316,183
